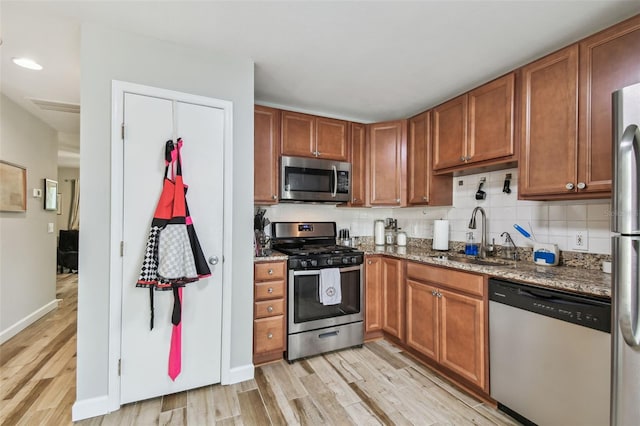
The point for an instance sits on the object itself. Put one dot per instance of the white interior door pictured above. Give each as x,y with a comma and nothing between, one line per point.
144,353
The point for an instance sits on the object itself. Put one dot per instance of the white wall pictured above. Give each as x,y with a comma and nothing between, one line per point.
552,222
27,250
65,175
107,55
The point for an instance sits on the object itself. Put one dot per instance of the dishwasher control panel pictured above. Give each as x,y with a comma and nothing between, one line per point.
581,310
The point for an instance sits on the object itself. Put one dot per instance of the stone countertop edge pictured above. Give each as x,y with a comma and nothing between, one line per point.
274,256
576,280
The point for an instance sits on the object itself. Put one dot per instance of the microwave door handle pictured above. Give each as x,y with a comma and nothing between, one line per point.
335,181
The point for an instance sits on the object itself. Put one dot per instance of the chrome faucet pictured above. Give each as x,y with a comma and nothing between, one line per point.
482,250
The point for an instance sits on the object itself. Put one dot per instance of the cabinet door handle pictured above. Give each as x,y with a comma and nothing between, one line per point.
369,262
270,272
397,200
582,185
569,186
270,290
424,198
434,293
468,158
274,197
269,308
462,158
355,199
269,335
439,295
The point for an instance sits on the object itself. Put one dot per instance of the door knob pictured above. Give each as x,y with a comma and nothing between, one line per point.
213,260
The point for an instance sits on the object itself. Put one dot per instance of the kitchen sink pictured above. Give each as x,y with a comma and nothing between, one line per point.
477,261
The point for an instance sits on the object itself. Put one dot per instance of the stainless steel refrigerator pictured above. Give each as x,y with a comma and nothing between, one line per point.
625,210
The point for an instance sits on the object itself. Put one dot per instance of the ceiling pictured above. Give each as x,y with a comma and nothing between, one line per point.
362,61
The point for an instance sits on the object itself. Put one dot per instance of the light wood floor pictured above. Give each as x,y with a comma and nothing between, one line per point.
376,384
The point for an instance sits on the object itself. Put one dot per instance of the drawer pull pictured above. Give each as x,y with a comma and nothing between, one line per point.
270,272
270,290
269,335
269,308
329,334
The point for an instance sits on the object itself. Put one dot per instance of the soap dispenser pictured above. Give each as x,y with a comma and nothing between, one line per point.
471,248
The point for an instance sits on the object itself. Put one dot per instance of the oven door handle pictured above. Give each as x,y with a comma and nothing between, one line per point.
317,271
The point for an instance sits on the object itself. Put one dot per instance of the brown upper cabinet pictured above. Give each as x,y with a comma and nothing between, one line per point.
609,60
387,166
305,135
358,159
422,185
477,128
266,150
550,124
566,133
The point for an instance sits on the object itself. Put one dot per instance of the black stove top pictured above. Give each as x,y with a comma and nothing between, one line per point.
315,250
312,245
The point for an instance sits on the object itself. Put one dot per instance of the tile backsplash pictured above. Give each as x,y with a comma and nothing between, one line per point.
551,221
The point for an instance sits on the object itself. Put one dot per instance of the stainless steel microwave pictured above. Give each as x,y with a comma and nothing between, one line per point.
312,179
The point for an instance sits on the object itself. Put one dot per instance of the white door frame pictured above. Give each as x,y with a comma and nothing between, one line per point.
118,89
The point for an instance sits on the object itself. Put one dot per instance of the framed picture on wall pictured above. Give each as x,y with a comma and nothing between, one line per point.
13,191
50,195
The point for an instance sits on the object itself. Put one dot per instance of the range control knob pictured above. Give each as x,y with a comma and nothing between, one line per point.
303,263
329,261
345,260
314,262
354,259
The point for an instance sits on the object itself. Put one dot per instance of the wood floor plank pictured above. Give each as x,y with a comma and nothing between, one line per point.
307,412
147,413
288,382
177,417
269,398
7,354
174,401
382,352
200,409
225,402
328,374
281,400
231,421
325,399
360,414
252,408
498,417
25,404
371,404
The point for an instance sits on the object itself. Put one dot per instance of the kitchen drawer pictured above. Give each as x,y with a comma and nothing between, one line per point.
269,290
469,283
268,271
268,334
269,308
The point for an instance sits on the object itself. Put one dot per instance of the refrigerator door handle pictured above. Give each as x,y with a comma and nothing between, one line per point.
626,201
627,276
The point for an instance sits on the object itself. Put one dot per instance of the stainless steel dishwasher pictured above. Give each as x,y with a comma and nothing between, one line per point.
550,354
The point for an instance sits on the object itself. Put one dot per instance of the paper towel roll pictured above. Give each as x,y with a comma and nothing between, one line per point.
441,234
378,232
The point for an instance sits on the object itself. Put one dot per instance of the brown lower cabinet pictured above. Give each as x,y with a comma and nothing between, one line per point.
269,311
437,312
445,319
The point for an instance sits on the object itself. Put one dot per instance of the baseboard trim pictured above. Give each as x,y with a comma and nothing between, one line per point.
91,407
28,320
240,374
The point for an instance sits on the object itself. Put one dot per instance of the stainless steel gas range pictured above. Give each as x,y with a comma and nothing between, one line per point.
324,288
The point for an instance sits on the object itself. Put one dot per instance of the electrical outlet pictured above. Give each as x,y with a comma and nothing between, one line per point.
580,240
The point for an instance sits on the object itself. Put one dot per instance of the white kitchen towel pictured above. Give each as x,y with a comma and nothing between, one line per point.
330,292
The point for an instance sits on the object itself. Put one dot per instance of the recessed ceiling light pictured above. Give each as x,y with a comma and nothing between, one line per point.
27,63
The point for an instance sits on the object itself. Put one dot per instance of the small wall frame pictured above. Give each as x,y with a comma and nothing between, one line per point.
13,190
50,195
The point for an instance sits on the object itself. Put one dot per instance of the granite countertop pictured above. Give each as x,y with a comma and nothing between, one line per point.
577,280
